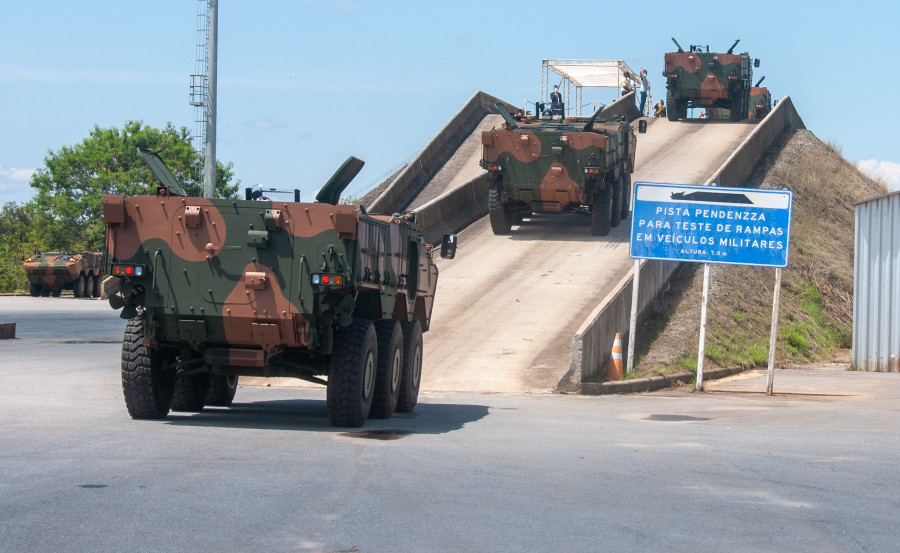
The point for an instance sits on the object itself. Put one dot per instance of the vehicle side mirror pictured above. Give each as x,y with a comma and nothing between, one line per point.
448,246
775,103
642,126
756,62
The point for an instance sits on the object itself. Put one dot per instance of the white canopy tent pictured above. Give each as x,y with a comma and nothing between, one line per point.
580,74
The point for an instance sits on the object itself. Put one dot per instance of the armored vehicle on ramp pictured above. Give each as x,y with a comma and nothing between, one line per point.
49,273
559,165
760,101
214,289
699,78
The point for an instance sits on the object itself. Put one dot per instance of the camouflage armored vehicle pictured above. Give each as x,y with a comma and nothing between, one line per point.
547,165
214,289
760,101
703,79
49,273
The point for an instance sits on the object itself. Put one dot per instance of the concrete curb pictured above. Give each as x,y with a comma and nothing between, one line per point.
651,383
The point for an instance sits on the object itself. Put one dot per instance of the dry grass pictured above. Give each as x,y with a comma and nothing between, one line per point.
816,308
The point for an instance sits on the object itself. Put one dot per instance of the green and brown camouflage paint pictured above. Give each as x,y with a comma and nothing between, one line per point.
51,272
243,282
549,165
699,78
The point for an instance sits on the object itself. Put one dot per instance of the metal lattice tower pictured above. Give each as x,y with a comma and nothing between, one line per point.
200,80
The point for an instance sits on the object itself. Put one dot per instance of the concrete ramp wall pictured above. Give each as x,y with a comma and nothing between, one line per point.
413,178
592,344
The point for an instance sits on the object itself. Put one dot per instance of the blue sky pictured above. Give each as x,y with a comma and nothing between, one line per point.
304,85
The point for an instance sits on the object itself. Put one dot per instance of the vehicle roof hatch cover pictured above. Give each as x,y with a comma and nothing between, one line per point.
161,172
331,192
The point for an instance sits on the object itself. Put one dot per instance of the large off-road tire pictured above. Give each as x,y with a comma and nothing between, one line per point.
222,388
190,390
601,211
672,111
411,376
78,289
351,375
148,381
98,285
34,289
88,285
626,195
615,215
501,220
390,368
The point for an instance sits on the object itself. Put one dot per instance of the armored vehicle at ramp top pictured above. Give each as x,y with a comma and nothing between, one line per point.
217,288
559,165
49,273
699,78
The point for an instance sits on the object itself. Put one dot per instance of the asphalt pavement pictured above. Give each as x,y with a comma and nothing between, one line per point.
812,468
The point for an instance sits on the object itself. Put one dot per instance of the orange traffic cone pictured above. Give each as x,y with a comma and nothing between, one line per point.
614,370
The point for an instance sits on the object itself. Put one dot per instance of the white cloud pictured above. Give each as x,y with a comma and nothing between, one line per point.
14,185
887,170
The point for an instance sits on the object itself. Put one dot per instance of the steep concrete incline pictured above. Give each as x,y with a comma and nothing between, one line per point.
508,306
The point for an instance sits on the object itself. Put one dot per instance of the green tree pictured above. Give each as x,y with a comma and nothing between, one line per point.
71,185
19,236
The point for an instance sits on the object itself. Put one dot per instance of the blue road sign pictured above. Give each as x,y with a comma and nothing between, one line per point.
704,224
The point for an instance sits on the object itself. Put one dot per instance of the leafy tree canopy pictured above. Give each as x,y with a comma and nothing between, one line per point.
71,185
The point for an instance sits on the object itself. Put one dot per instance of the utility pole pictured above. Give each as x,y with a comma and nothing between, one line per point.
209,165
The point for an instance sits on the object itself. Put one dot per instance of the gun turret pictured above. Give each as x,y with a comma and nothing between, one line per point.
510,121
680,49
761,79
731,50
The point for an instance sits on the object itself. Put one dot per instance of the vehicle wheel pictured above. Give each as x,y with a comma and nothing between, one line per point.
148,380
98,285
626,195
601,212
411,376
190,390
389,369
56,293
89,286
222,388
45,292
79,287
672,110
501,221
615,216
351,374
34,289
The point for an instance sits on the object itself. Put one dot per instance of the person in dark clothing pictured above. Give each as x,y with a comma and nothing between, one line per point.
556,102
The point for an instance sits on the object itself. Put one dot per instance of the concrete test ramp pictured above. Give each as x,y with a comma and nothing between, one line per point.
508,306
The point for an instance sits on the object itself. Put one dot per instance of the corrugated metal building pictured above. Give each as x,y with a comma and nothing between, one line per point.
876,284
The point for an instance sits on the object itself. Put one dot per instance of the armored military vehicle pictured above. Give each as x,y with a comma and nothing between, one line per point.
700,78
49,273
760,101
549,165
214,289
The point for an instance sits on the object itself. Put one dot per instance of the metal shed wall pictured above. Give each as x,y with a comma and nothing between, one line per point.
876,283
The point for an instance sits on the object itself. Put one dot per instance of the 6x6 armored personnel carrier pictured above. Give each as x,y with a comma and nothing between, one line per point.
49,273
214,289
549,165
699,78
